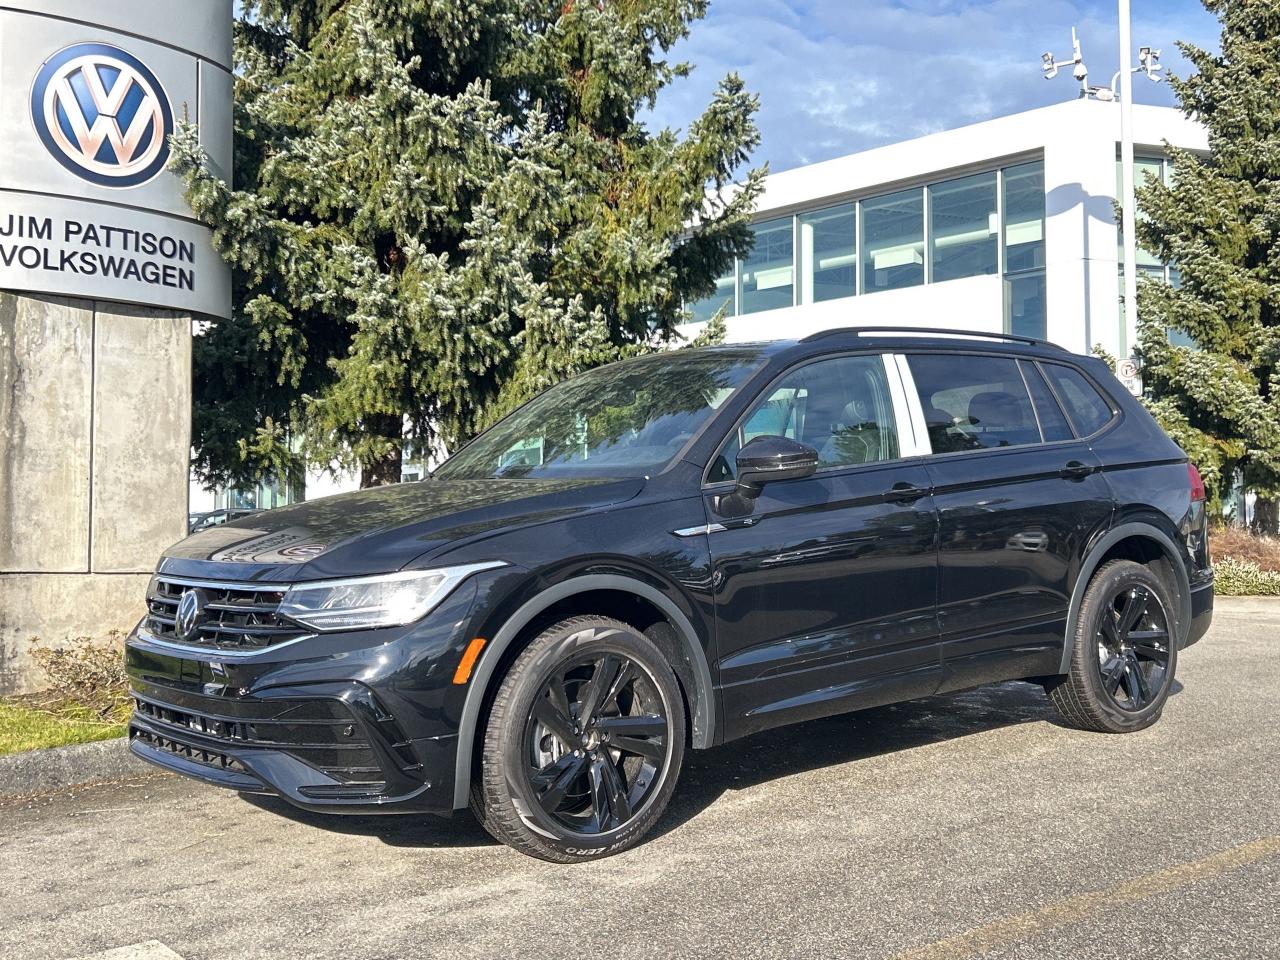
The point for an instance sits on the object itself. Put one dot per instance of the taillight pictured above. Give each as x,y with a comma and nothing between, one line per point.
1197,484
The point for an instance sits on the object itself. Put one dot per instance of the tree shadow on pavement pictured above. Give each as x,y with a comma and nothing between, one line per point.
766,756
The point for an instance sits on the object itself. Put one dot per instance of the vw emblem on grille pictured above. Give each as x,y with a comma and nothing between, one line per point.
102,114
190,614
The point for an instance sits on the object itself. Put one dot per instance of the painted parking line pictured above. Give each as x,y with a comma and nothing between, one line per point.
150,950
1010,930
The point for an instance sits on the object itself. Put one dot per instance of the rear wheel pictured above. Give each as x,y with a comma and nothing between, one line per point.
1124,652
584,743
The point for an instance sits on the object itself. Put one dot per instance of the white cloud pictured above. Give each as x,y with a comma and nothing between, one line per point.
835,76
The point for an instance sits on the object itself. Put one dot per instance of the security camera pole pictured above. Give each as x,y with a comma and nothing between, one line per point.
1128,332
1121,89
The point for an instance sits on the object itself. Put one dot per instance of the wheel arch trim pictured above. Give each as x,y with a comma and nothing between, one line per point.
703,696
1092,560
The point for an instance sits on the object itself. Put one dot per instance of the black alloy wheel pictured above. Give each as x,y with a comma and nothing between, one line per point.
584,743
1123,653
1133,646
597,743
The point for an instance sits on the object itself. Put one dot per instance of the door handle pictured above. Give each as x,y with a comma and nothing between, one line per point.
1075,470
903,492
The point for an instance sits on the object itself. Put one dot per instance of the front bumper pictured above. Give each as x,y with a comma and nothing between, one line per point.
322,747
359,722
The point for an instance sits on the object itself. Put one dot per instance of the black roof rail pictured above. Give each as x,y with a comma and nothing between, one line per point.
936,332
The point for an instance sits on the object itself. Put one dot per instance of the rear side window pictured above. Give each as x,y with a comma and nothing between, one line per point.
973,402
1086,407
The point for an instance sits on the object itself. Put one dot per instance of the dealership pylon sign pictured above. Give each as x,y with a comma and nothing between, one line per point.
88,207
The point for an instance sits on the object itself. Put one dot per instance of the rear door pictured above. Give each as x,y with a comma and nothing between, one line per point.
825,587
1019,495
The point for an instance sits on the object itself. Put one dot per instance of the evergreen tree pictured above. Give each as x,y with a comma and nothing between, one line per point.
1219,224
441,207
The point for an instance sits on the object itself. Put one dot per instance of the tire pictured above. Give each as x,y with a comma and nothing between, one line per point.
1124,652
561,787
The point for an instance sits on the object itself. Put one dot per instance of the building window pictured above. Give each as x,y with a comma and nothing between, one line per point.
1146,169
706,308
893,241
767,272
1024,304
963,228
1025,295
828,253
984,224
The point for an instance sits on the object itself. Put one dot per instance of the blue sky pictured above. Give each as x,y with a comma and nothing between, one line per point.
837,76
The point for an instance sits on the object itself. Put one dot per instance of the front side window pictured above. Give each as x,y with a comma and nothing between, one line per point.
622,420
973,402
1087,408
841,407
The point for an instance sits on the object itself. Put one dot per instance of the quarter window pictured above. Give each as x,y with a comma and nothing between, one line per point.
973,402
1088,410
841,407
1053,423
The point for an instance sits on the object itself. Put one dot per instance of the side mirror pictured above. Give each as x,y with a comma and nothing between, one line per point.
766,459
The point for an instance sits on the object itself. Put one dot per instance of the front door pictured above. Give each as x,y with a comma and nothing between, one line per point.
1018,497
825,587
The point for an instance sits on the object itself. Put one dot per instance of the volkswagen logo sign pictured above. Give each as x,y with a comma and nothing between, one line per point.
102,114
190,614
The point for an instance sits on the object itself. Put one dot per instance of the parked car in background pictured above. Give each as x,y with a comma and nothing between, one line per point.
675,552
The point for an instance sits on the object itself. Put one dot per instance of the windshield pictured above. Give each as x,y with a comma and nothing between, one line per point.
624,420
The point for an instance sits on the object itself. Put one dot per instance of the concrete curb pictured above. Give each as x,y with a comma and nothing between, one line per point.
44,771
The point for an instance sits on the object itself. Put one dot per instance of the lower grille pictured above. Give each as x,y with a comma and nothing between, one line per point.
320,733
231,616
207,757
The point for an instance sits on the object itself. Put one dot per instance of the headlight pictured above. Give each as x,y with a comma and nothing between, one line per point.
360,603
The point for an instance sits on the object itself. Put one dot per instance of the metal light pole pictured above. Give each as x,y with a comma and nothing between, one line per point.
1121,89
1128,218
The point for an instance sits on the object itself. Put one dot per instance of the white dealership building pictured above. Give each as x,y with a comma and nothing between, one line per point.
1003,226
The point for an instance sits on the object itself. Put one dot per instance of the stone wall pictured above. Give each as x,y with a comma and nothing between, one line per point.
95,434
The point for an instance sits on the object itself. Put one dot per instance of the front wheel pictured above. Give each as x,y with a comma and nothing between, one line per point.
584,743
1124,652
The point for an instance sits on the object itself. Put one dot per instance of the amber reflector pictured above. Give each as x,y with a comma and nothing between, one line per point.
468,662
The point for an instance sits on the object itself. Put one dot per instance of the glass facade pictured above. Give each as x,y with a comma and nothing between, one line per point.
963,228
829,253
893,241
766,279
984,224
724,297
1025,296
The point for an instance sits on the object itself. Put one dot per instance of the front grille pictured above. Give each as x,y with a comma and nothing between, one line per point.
320,733
235,616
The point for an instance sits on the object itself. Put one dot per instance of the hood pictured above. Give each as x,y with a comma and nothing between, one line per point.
379,530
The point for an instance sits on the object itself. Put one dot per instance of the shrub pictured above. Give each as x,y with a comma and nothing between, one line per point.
1244,578
86,679
1237,543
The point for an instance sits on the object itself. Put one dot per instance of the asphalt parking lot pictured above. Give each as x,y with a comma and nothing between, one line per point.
964,825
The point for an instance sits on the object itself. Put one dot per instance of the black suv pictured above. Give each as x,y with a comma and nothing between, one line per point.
676,551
